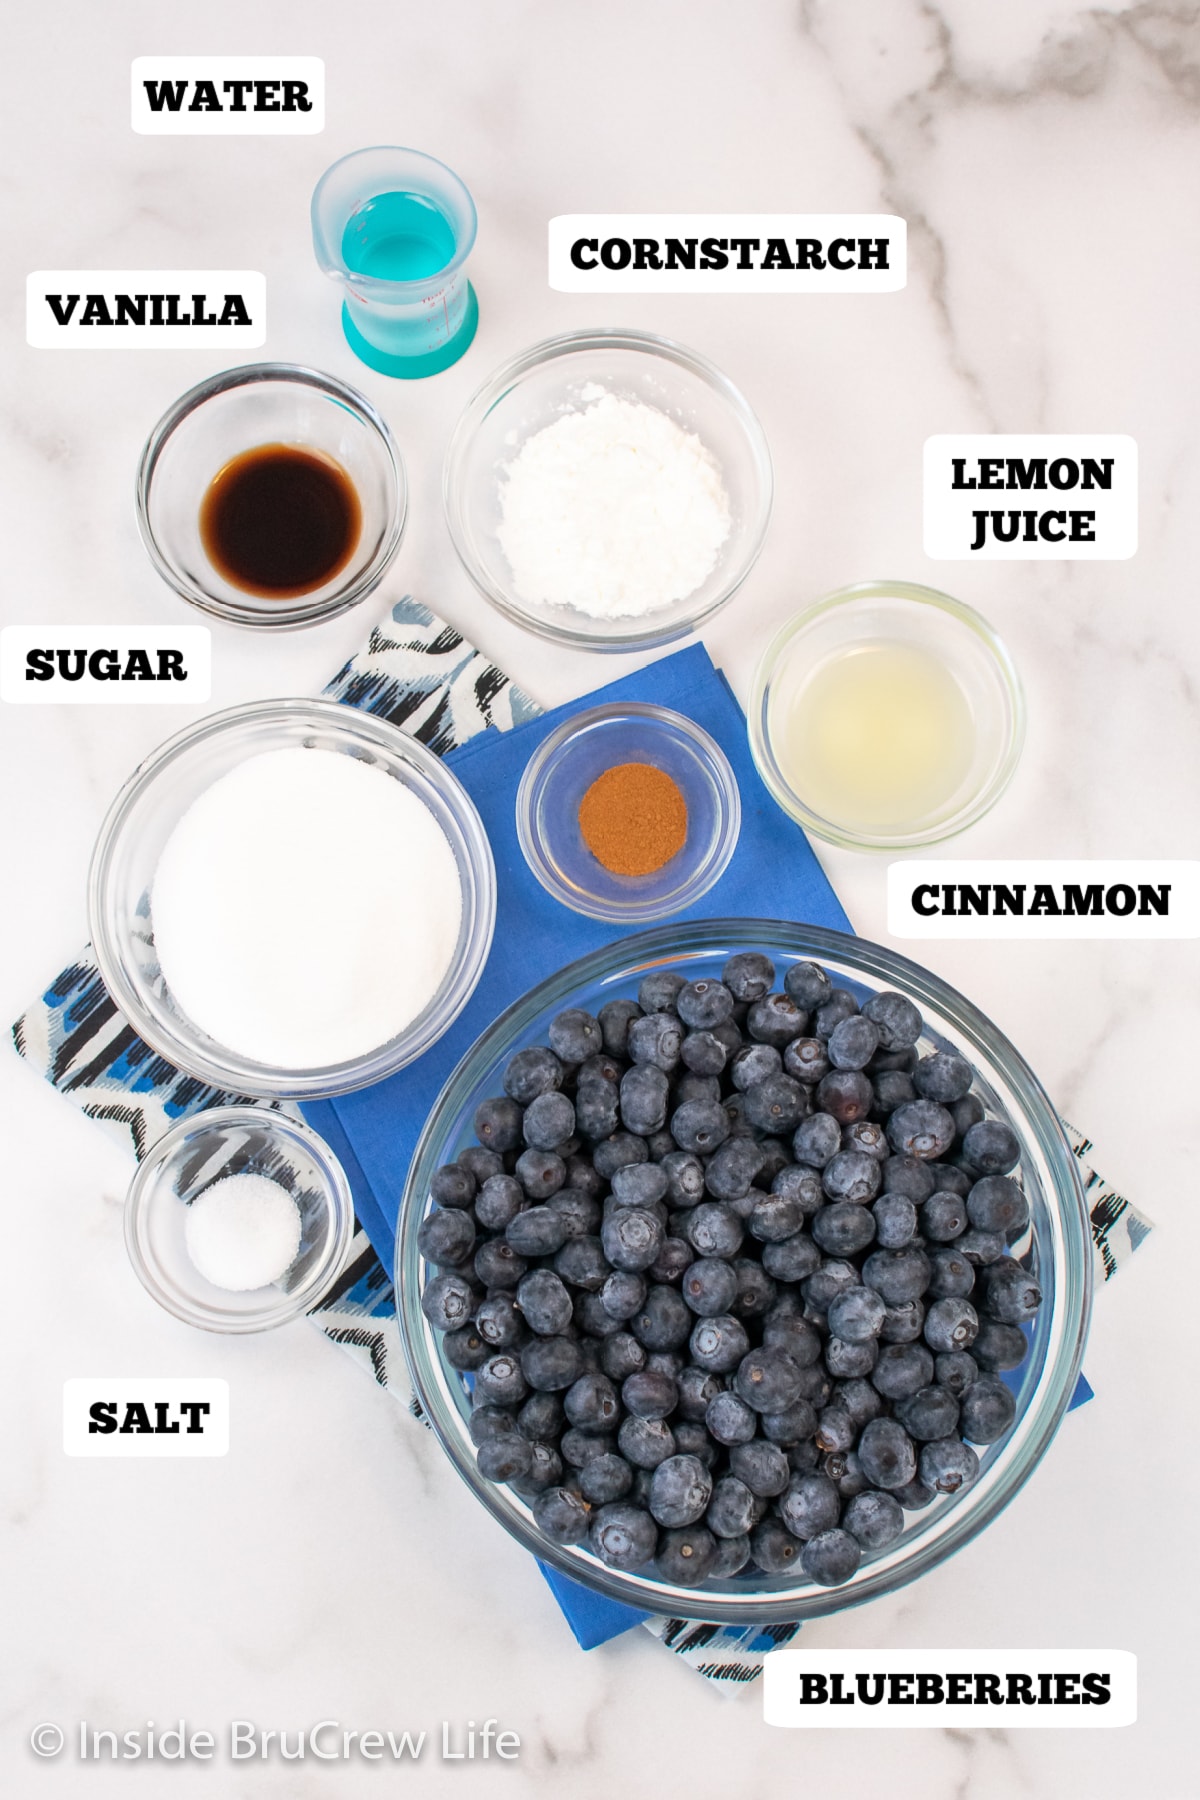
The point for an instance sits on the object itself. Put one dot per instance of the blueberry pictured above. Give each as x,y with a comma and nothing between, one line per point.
582,1176
776,1104
645,1442
551,1364
499,1201
680,1491
1008,1292
614,1020
857,1398
748,975
895,1018
762,1466
532,1072
932,1412
843,1228
868,1138
775,1019
948,1179
718,1344
464,1349
887,1454
709,1287
875,1518
891,1088
914,1495
500,1379
997,1204
988,1409
980,1247
944,1218
831,1557
840,1005
697,1389
659,990
699,1126
774,1217
809,1505
703,1053
480,1163
909,1176
704,1004
579,1448
844,1359
944,1077
901,1370
687,1556
621,1355
605,1479
673,1260
852,1043
713,1229
967,1112
856,1316
580,1214
903,1324
597,1112
498,1123
489,1422
505,1459
849,1175
623,1293
956,1370
922,1129
632,1238
992,1147
582,1263
575,1035
561,1516
706,1089
664,1321
544,1301
498,1322
692,1439
656,1041
836,1430
593,1324
649,1394
947,1464
448,1301
545,1471
736,1122
846,1095
542,1418
805,1059
446,1237
832,1278
773,1547
798,1336
768,1380
615,1152
777,1157
453,1185
952,1276
731,1170
729,1420
644,1096
999,1346
685,1178
898,1275
591,1403
732,1556
732,1510
808,985
623,1536
895,1221
756,1290
540,1172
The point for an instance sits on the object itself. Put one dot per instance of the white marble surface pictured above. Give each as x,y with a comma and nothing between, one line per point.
1044,154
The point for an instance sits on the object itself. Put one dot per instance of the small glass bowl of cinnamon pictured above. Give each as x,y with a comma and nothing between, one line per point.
628,812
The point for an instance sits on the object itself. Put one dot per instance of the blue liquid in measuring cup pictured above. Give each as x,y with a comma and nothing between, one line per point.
397,237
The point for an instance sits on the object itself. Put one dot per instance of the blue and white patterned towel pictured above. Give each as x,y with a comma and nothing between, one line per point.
421,674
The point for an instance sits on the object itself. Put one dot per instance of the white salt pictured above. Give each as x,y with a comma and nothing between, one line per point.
243,1232
614,510
305,908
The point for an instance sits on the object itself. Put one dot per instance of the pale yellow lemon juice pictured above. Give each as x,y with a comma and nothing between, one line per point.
877,736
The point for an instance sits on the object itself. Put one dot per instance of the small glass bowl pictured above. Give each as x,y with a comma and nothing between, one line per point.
154,799
563,768
239,410
551,379
884,614
1057,1246
190,1157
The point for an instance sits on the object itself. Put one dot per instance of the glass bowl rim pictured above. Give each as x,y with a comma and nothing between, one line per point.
339,1202
496,388
285,614
769,665
718,768
243,1075
1046,1405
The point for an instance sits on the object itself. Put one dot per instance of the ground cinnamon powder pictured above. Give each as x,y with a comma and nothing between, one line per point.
633,819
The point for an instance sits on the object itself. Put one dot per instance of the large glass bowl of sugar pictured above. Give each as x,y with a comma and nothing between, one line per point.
296,912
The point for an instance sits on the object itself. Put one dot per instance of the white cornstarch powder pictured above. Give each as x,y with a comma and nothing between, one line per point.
614,510
243,1232
305,908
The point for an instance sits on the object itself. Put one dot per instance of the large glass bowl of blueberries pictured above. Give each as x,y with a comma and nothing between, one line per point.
744,1270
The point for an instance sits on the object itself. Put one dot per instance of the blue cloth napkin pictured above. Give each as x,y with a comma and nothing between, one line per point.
773,874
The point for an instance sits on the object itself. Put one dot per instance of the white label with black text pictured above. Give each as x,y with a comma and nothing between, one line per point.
728,253
105,665
1008,1690
146,309
228,96
1031,497
1044,899
171,1415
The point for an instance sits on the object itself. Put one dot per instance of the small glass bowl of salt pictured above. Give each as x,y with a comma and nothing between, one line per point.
238,1219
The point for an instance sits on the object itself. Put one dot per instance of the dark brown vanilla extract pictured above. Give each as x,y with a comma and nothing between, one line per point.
280,521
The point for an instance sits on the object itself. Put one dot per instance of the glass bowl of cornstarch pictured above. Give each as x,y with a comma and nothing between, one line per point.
291,899
608,489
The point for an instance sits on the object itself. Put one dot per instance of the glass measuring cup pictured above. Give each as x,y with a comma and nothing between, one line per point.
395,228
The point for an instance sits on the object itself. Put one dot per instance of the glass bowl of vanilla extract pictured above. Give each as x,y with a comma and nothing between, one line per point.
272,496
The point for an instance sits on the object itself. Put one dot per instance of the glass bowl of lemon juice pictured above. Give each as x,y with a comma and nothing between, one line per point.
887,716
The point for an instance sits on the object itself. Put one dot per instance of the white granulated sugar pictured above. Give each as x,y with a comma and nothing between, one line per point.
243,1232
305,908
614,510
